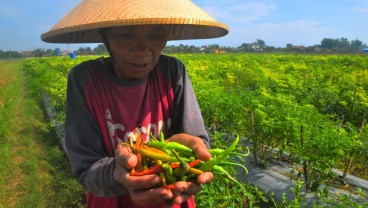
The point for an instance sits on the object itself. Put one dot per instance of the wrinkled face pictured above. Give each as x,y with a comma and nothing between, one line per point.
136,49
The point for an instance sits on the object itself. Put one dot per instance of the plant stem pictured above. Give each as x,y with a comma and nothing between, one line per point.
305,163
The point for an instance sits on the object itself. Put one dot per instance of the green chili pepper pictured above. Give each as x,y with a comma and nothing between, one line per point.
169,145
168,173
183,166
215,160
235,164
162,137
220,170
218,151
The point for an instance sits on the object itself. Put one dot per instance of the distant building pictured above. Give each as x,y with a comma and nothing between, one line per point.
205,49
219,51
255,47
299,48
65,53
28,53
365,50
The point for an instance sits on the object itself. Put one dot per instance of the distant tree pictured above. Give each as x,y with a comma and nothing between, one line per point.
261,43
213,47
10,54
100,49
192,49
243,47
343,45
49,52
170,49
289,47
269,49
39,52
88,50
57,51
329,43
81,50
356,45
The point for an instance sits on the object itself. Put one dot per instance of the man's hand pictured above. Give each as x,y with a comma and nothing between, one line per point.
185,189
139,187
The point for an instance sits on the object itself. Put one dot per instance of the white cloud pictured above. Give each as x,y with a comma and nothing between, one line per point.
243,13
301,32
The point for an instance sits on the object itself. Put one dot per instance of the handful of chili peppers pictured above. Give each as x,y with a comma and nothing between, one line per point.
176,162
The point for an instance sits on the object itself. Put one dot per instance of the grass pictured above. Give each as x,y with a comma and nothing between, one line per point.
34,171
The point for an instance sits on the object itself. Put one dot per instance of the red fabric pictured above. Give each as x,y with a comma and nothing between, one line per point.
119,110
125,202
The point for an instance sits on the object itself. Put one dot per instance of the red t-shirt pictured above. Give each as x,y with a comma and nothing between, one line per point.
103,110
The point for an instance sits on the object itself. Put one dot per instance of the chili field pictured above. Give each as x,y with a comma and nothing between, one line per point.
306,109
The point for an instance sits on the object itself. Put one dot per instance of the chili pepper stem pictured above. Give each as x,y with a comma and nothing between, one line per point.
235,164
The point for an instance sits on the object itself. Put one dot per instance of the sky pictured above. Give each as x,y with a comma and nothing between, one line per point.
276,22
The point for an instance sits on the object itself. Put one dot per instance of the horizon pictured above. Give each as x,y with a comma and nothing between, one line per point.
298,22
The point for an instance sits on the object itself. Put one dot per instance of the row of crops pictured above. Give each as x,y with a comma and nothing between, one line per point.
310,109
313,108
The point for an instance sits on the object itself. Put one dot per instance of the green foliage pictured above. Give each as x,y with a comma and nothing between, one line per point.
324,94
311,108
33,169
49,76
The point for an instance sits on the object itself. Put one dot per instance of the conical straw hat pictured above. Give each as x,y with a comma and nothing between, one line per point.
183,17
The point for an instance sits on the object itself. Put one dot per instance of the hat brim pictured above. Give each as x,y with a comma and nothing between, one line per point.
186,21
91,35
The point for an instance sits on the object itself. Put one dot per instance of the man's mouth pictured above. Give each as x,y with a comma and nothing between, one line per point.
140,65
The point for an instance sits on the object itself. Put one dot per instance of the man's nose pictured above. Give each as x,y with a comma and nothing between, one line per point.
142,46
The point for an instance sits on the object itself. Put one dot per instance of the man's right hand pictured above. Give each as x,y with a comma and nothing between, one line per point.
139,187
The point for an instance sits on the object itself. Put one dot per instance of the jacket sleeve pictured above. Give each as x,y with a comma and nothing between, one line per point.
187,115
83,144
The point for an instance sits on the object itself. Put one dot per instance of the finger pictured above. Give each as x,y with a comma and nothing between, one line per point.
151,197
205,178
193,142
185,187
125,157
141,182
180,199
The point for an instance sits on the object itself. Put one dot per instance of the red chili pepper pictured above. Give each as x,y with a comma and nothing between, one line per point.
191,164
174,165
194,163
153,170
170,186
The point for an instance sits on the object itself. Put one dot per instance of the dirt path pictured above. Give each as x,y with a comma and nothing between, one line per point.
32,166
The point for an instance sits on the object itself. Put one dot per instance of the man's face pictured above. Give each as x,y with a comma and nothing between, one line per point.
136,49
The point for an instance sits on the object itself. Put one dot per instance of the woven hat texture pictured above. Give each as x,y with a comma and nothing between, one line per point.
184,19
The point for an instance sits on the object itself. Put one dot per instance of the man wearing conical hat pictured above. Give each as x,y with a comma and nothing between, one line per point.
135,90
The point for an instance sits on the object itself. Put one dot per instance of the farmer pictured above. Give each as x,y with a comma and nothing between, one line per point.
135,89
